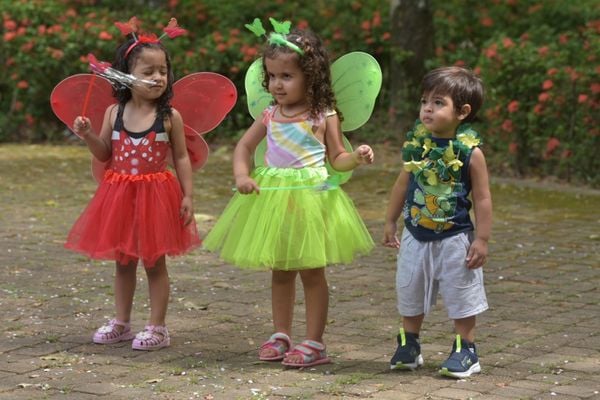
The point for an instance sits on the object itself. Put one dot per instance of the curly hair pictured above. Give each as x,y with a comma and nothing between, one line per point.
125,63
461,84
314,63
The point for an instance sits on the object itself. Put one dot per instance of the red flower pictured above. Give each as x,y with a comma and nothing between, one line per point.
548,84
460,63
365,25
376,19
8,36
10,25
508,43
386,36
486,21
513,147
543,97
542,51
595,88
507,125
552,145
538,109
552,71
302,24
491,51
513,106
22,84
582,98
105,36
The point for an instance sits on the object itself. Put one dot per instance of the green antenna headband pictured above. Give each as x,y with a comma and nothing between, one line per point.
278,37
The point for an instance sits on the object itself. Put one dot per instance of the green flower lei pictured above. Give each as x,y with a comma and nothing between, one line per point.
421,155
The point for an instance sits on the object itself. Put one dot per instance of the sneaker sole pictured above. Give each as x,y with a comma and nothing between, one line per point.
475,369
412,366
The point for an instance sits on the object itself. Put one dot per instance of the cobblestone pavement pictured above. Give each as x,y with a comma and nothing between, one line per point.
539,340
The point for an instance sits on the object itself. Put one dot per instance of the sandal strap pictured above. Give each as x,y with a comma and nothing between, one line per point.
153,334
309,350
108,329
278,337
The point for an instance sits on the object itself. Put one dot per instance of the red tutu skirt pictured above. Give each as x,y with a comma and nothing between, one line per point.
134,217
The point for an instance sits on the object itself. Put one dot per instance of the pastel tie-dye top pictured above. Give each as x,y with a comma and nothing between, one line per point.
292,144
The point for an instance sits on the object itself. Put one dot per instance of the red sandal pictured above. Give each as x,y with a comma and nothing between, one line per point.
280,342
312,352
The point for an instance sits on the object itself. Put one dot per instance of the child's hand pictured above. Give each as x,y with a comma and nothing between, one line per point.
246,185
390,237
364,154
477,254
82,126
186,211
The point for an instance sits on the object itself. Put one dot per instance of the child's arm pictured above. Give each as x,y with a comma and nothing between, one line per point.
338,157
99,145
482,205
242,156
394,210
183,166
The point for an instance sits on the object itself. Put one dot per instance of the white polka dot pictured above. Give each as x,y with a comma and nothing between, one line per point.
145,141
144,155
133,151
150,159
120,158
134,171
150,149
127,141
122,147
158,154
126,154
135,161
123,171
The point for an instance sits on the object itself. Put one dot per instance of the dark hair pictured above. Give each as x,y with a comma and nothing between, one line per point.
461,84
125,63
314,63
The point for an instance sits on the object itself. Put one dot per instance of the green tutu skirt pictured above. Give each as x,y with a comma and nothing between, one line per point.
294,223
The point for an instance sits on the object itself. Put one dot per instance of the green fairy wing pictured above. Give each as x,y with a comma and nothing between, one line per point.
256,95
356,80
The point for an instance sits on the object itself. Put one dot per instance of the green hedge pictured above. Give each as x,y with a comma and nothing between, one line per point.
538,59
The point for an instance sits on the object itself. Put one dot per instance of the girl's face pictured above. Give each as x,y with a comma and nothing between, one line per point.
151,64
439,115
287,83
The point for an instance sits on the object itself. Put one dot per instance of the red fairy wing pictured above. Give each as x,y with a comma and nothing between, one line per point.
197,148
98,169
69,97
203,99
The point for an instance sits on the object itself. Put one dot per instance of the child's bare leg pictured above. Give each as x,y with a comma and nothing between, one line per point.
413,324
158,288
125,282
465,327
283,295
316,297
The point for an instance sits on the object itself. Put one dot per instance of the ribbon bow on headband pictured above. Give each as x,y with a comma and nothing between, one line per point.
172,30
278,37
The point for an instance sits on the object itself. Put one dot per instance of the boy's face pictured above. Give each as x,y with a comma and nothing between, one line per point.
439,115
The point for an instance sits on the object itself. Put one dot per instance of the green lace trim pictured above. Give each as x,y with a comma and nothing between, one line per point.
422,156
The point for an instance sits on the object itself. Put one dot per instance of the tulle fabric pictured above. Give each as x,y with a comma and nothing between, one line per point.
134,217
289,229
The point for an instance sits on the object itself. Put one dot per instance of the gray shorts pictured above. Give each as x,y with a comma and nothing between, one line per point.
424,268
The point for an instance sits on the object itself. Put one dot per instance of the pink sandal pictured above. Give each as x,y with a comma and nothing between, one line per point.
280,342
312,352
153,337
109,333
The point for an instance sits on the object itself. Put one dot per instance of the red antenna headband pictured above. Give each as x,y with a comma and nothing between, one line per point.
172,30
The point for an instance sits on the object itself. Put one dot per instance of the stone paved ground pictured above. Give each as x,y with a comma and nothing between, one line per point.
539,340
